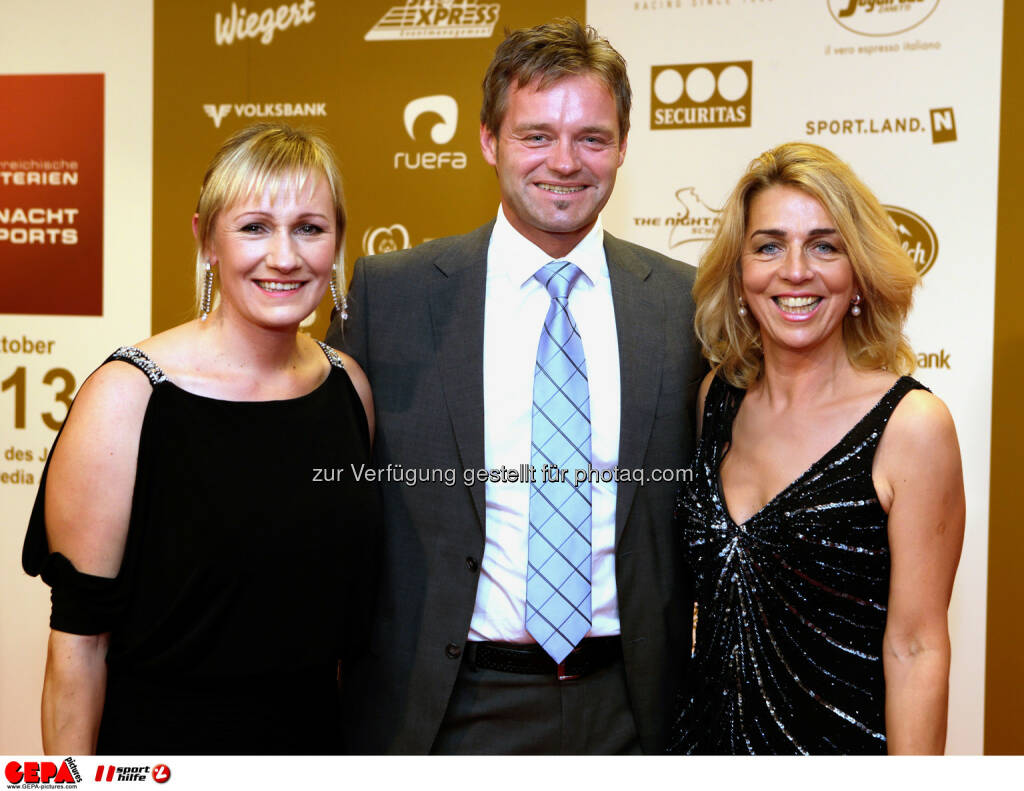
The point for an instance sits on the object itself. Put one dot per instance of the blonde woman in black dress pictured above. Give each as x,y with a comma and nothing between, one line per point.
204,585
827,513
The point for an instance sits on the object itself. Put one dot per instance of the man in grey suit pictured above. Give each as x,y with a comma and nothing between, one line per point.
521,613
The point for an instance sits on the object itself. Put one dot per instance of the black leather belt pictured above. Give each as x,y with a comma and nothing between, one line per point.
593,653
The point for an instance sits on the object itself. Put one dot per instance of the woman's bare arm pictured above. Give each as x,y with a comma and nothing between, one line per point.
918,475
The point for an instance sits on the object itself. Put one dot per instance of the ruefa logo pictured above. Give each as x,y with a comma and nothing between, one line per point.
916,235
943,125
419,19
443,112
385,239
443,106
701,95
881,17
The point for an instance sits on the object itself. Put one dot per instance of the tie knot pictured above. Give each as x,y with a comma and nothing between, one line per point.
558,278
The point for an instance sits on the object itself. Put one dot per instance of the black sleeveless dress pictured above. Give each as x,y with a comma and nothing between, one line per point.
245,574
791,605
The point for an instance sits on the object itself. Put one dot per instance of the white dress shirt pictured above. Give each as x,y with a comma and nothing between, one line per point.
514,311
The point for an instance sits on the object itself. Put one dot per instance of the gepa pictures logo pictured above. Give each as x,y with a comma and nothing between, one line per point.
701,95
441,112
419,19
42,774
881,17
916,235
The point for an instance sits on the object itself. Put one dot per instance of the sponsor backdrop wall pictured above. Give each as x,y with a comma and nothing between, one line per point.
75,154
906,91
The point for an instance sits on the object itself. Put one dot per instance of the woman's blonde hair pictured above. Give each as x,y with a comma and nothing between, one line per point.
884,274
258,158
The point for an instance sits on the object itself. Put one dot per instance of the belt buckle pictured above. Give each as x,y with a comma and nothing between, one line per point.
563,675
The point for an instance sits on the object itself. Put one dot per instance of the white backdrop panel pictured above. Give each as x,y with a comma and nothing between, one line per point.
869,98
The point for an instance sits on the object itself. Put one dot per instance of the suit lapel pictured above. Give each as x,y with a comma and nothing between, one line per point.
638,323
457,318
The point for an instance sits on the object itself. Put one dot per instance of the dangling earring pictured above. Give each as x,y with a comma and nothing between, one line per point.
207,300
855,310
340,304
742,310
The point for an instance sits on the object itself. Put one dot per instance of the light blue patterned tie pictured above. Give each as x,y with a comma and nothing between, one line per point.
558,566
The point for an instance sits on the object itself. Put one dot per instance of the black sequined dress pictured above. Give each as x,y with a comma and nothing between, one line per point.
791,604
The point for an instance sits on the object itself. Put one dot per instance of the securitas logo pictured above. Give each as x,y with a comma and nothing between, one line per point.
419,19
160,773
916,235
242,24
42,774
436,118
385,239
218,112
881,17
701,95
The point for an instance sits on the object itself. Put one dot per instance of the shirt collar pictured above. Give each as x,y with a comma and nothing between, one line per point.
512,254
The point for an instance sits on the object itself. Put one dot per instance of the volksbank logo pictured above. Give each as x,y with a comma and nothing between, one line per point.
442,113
881,17
916,235
218,112
419,19
701,95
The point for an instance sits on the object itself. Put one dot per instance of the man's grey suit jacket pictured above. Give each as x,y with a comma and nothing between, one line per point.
416,327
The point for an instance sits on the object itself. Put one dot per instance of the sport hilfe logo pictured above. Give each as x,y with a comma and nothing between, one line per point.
701,95
881,17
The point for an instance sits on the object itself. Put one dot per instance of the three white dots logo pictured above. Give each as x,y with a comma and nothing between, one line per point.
700,84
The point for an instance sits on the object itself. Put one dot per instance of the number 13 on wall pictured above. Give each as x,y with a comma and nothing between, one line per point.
60,378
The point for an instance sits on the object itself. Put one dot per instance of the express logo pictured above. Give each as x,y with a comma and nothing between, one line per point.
917,237
419,19
385,239
42,773
695,222
441,112
881,17
701,95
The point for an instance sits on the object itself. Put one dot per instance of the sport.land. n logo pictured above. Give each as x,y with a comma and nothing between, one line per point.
420,19
701,95
916,235
881,17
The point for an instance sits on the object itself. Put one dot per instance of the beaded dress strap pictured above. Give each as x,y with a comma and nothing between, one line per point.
142,361
333,357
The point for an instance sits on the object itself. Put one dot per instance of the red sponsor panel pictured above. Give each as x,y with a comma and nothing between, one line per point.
51,194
